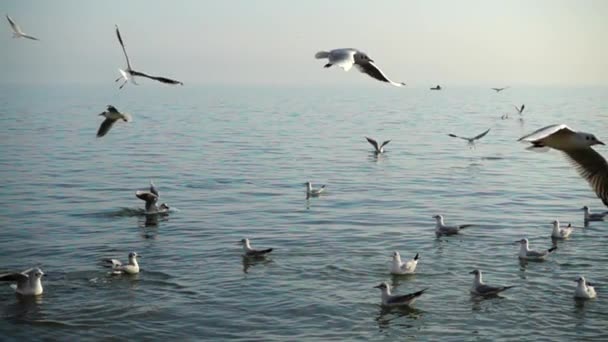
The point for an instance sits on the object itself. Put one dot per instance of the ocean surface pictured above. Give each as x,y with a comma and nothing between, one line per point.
232,162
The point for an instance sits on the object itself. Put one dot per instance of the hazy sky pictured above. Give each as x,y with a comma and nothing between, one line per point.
485,42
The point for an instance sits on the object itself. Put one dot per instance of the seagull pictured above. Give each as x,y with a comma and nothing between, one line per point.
584,289
379,149
346,58
471,141
397,300
129,74
561,233
481,289
399,267
589,216
528,254
442,229
250,252
117,267
310,191
28,281
17,33
577,147
498,90
520,110
151,197
112,115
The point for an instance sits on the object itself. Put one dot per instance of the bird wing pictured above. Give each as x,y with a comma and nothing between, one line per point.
344,58
259,252
481,135
385,143
105,127
484,289
146,196
372,70
29,37
156,78
112,109
153,189
113,262
20,278
14,25
123,47
593,167
456,136
404,298
462,226
544,132
373,142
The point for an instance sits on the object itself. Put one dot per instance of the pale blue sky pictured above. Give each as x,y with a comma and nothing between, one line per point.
485,42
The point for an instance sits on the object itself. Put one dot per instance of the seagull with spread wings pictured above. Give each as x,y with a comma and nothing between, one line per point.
471,141
17,32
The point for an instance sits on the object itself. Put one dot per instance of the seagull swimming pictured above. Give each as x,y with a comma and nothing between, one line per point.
250,252
129,74
442,229
117,267
398,267
397,300
589,216
577,147
28,281
471,141
559,232
346,58
520,110
17,33
527,254
481,289
310,191
151,197
584,290
498,90
379,149
111,115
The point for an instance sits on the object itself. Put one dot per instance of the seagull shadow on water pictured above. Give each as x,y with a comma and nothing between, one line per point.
249,262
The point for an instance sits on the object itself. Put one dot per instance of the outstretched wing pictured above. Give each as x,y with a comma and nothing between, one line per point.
544,132
123,47
457,136
593,167
20,278
481,135
105,127
373,142
14,25
372,70
153,189
156,78
385,143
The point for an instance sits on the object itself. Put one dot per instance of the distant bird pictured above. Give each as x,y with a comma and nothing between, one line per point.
589,216
118,267
151,197
397,300
129,74
498,90
378,149
559,232
250,252
17,33
346,58
584,289
520,110
577,147
398,267
112,115
527,254
442,229
481,289
471,141
28,281
310,191
438,87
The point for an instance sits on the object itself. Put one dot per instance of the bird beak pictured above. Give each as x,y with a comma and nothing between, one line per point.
472,272
600,143
101,114
377,286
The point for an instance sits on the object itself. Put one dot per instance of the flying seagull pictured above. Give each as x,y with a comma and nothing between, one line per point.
442,229
117,266
577,147
129,74
378,149
346,58
28,281
151,197
17,33
397,300
498,90
481,289
112,115
520,110
471,141
250,252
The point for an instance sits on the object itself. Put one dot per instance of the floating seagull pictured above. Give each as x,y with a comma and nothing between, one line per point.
577,147
397,300
438,87
442,229
471,141
151,198
589,216
399,267
584,289
250,252
498,90
117,267
379,149
129,74
17,33
346,58
561,233
481,289
310,191
28,281
520,110
528,254
112,115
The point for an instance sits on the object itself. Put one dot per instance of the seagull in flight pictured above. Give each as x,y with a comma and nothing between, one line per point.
28,281
112,115
584,289
442,229
526,253
520,110
378,149
151,197
498,90
470,141
346,58
481,289
129,74
250,252
17,32
577,148
118,267
397,300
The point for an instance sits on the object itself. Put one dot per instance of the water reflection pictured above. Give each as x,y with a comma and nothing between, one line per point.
388,315
249,262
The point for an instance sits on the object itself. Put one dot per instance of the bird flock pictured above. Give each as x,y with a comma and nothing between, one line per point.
576,146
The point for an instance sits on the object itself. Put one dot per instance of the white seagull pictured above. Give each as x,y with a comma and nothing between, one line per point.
250,252
397,300
577,147
129,74
442,229
117,267
310,191
398,267
346,58
471,141
112,115
589,216
17,33
28,281
520,110
526,253
378,148
559,232
481,289
584,290
151,197
498,90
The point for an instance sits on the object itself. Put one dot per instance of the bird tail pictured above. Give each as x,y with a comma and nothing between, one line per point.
419,293
552,249
321,54
417,256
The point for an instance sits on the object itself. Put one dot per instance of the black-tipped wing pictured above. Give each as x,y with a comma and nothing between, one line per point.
404,298
156,78
105,127
13,24
371,69
373,142
19,278
593,167
462,226
123,47
385,143
486,290
259,252
481,135
457,136
146,196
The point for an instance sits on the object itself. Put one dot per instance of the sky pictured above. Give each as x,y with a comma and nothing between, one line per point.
423,43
